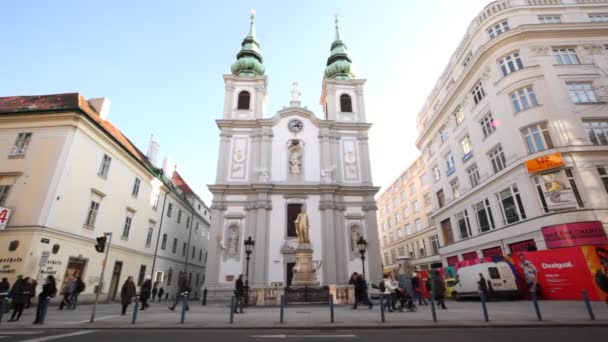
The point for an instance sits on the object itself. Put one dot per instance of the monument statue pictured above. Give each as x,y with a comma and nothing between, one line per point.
302,227
295,157
234,241
295,92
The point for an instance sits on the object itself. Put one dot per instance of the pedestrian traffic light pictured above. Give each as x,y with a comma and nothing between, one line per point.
101,244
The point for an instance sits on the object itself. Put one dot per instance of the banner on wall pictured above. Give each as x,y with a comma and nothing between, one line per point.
575,234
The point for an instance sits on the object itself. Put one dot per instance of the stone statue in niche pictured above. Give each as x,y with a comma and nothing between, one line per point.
238,164
327,174
355,234
351,164
302,226
233,243
295,157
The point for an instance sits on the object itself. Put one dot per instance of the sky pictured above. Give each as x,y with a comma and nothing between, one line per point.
161,64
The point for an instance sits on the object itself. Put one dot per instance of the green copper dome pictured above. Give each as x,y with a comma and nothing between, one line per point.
339,64
249,59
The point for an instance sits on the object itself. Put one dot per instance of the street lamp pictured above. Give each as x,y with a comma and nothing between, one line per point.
362,244
249,244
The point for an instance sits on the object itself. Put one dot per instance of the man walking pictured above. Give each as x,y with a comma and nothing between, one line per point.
79,288
361,295
182,293
417,289
161,293
439,289
482,285
144,293
239,292
68,290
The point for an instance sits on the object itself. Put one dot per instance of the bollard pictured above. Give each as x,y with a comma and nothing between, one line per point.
331,308
232,308
135,309
282,308
432,300
382,307
587,304
205,296
184,306
482,298
536,308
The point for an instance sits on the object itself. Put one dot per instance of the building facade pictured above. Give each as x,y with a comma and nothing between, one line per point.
514,134
69,176
404,224
269,169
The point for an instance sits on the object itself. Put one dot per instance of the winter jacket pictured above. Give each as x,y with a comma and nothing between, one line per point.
127,293
146,288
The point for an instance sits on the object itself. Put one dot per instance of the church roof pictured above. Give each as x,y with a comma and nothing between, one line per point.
249,60
339,64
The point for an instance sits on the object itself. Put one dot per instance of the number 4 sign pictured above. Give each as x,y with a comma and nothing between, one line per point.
5,214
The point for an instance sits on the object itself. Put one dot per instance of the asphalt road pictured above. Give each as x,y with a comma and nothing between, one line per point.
235,335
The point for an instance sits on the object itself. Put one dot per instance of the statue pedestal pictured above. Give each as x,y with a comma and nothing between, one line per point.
303,272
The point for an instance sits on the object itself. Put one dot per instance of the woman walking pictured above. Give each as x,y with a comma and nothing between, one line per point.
18,296
144,293
49,290
126,294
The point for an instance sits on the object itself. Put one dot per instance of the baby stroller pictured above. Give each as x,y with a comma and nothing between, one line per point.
405,300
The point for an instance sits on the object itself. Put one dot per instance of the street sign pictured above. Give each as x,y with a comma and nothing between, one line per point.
45,240
44,258
5,214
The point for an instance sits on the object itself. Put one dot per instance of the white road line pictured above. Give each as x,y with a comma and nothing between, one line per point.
96,319
20,332
54,337
303,336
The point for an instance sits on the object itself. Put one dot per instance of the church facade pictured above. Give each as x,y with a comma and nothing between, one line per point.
272,168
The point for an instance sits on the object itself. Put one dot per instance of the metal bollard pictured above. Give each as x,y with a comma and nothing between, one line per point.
482,298
382,307
587,304
205,296
536,308
135,309
331,308
282,308
232,308
184,306
432,300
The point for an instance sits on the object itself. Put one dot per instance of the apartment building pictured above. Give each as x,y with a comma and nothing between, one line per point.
404,225
515,133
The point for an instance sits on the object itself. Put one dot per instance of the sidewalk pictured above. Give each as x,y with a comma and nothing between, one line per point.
458,314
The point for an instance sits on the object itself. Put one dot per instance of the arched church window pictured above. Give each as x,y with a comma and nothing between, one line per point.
346,104
244,98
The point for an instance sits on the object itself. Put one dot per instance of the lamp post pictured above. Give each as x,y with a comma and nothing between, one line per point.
362,244
249,244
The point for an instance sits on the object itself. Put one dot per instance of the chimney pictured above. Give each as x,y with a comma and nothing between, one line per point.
102,106
168,167
152,150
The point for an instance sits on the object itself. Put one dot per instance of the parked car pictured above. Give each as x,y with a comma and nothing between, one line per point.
450,284
499,274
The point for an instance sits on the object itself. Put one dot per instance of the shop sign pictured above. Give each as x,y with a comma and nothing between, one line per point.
5,214
543,163
575,234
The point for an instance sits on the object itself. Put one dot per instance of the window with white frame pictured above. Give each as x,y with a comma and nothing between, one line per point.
601,170
483,214
523,99
126,228
598,17
136,185
537,137
21,144
440,198
458,115
581,92
416,207
418,223
474,177
406,212
169,209
549,19
498,29
443,134
467,148
179,216
399,233
565,56
92,213
487,125
449,162
149,236
497,157
464,225
455,188
408,229
174,249
434,239
597,131
4,190
436,173
421,248
104,168
510,63
511,206
478,93
163,245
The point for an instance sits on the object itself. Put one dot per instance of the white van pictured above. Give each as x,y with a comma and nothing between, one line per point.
500,275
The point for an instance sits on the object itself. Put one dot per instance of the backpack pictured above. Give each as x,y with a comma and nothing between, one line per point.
382,286
80,286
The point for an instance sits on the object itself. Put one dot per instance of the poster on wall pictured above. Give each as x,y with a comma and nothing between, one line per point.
597,261
575,234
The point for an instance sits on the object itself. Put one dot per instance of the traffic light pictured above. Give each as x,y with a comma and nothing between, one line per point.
101,244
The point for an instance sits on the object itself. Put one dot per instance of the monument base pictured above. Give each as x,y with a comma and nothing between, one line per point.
307,295
303,272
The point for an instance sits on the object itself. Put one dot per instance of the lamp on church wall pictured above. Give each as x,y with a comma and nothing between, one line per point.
249,244
362,244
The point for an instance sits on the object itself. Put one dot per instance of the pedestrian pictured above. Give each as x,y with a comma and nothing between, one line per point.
67,291
418,290
144,293
530,273
387,288
49,290
482,285
31,290
154,292
161,292
361,295
239,292
182,293
353,279
18,294
4,287
126,294
79,288
439,289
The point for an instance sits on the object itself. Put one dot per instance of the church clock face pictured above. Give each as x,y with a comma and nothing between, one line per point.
295,126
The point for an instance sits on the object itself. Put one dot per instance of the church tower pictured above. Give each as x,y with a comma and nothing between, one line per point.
272,169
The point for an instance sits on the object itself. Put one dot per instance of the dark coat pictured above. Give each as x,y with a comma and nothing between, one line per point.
439,287
19,292
360,289
127,293
4,286
239,288
145,290
482,285
49,290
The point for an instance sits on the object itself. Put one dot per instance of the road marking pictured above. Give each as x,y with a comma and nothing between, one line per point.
303,336
20,332
54,337
96,319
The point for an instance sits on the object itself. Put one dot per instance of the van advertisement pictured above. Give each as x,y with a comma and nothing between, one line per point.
563,273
